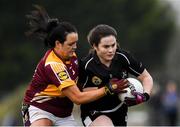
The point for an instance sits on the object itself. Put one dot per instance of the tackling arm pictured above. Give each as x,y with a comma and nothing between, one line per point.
78,97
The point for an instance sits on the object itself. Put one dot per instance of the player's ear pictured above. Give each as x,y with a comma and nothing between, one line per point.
57,43
94,46
117,45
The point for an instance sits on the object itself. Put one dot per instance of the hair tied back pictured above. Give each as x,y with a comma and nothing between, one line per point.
52,23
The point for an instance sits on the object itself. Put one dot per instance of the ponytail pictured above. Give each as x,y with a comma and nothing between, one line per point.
47,29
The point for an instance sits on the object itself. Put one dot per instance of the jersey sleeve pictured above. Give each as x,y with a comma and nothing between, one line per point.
134,66
82,75
58,75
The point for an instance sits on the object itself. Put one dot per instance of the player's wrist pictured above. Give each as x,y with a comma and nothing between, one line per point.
108,90
147,96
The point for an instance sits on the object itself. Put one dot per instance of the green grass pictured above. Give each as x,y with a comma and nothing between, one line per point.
12,104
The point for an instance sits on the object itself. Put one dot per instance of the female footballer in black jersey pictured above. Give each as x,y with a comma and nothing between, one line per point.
104,63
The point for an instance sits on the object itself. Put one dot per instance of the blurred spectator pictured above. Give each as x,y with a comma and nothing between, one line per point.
170,104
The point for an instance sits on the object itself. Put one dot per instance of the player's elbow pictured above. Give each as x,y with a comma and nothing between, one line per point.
78,99
77,102
149,79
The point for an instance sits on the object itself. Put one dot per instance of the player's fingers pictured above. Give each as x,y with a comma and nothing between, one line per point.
124,82
123,87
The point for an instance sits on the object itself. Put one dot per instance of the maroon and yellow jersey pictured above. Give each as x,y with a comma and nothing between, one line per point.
50,77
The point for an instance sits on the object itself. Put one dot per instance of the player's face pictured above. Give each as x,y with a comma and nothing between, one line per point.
106,48
67,49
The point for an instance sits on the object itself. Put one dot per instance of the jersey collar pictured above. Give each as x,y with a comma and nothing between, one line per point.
96,58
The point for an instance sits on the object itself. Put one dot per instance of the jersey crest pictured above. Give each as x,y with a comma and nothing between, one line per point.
63,75
96,80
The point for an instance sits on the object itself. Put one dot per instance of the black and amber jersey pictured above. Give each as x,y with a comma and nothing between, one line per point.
50,77
92,73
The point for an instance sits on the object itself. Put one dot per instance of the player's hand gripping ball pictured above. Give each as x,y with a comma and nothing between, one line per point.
135,93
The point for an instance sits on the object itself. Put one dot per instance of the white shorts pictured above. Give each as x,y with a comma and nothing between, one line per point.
36,113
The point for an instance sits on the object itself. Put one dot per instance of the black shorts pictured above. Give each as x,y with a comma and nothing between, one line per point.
119,117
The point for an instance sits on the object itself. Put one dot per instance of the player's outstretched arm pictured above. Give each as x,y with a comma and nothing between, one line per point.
78,97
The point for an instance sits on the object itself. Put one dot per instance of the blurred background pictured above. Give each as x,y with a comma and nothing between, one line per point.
149,29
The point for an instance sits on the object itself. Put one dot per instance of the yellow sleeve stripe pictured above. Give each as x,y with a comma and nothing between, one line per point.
66,84
51,90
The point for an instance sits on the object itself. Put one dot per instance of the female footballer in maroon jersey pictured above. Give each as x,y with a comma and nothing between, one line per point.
49,98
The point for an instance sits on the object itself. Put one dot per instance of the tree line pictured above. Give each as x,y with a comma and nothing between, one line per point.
144,28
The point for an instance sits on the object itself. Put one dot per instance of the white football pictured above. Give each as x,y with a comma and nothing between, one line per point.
133,84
